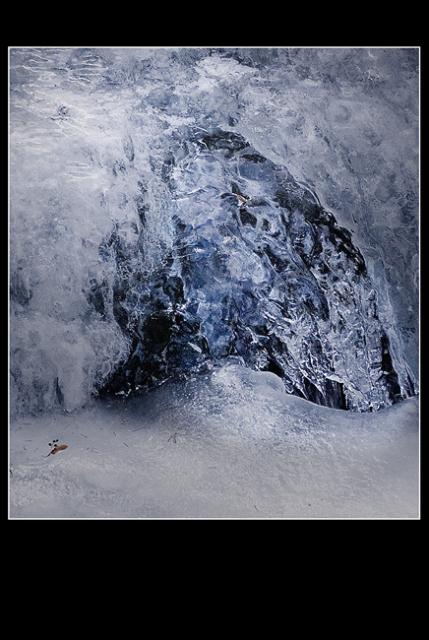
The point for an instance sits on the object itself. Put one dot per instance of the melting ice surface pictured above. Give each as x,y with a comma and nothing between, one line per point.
176,210
171,208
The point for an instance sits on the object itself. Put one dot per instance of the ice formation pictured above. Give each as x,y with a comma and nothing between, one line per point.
174,208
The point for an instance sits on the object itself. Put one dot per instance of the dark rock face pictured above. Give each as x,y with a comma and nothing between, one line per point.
259,271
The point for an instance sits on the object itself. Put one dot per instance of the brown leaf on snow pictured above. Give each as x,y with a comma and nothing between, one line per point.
58,447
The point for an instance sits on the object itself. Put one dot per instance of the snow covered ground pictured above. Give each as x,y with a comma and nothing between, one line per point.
228,444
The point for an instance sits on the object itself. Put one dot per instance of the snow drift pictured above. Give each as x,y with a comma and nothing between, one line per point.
230,443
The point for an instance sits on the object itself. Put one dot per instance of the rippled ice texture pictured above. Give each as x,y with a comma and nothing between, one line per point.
98,167
227,444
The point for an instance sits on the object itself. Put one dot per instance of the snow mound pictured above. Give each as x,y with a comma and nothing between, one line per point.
230,444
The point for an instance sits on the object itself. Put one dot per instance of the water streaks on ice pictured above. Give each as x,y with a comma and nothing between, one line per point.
171,208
